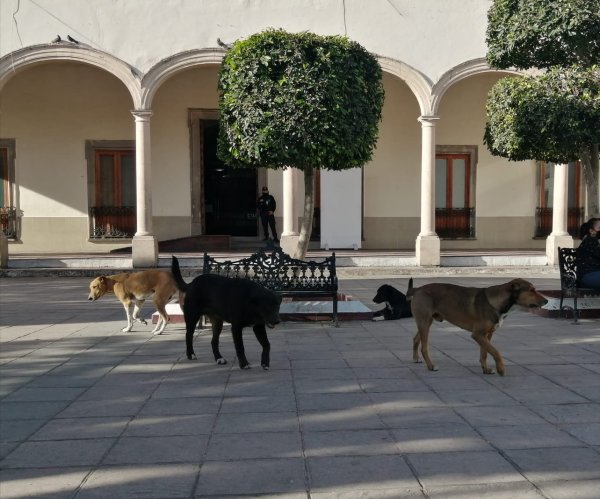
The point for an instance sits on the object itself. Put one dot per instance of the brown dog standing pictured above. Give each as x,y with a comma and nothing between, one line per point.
133,288
478,310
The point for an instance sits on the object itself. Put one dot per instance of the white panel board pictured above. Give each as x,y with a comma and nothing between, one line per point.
341,196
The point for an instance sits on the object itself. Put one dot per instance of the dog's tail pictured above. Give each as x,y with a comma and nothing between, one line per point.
410,290
179,282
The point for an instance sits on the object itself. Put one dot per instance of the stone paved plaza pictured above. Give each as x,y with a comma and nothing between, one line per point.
87,411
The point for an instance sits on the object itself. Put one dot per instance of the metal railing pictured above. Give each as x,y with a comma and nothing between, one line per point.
10,222
543,221
110,222
454,223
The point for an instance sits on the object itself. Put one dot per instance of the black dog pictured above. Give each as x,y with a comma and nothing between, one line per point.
396,306
240,302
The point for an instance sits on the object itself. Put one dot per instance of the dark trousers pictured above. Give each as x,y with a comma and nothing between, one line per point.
268,221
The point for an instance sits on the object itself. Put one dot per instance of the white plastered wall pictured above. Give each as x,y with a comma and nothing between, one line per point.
51,110
505,191
392,179
429,35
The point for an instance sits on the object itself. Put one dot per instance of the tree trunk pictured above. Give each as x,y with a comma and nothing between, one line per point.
589,164
309,210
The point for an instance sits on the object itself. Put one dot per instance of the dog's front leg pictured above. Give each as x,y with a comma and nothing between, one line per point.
217,327
261,335
128,308
483,361
486,347
238,342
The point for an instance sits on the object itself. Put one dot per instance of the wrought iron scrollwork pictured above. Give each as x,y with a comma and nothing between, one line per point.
10,219
277,270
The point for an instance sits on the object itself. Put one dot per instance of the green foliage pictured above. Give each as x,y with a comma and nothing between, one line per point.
299,100
543,33
552,117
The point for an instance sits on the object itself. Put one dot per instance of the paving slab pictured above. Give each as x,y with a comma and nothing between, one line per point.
87,411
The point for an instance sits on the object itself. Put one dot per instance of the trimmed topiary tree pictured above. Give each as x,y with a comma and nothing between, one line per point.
543,33
551,117
299,100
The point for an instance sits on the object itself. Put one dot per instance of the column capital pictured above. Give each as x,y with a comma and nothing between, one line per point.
428,120
142,114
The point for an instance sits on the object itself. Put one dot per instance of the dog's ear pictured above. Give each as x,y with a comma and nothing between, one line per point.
516,285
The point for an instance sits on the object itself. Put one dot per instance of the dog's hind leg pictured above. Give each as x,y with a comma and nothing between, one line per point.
423,324
416,343
137,309
191,319
238,342
163,318
424,333
217,327
261,335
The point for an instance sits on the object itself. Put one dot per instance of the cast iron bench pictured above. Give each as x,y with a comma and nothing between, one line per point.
569,281
279,272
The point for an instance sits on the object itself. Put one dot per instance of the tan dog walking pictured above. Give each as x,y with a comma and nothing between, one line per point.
133,288
478,310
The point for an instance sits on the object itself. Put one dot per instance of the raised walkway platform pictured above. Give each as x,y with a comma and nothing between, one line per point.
352,263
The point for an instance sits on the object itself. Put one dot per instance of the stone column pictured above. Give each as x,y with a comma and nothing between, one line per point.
428,243
144,244
289,235
559,237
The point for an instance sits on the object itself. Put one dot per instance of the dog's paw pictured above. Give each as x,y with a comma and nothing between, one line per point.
192,356
265,366
245,366
126,329
378,318
433,368
221,361
156,333
488,371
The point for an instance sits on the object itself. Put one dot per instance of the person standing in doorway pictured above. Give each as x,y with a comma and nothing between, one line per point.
266,207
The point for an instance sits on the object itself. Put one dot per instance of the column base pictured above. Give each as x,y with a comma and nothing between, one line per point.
289,243
553,242
428,251
144,251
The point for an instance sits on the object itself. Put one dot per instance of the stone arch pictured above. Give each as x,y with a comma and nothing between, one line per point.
416,81
168,67
21,59
458,73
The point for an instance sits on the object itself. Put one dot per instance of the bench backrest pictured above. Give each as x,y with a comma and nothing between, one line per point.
278,271
567,265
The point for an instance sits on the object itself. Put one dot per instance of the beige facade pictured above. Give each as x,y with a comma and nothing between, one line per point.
58,98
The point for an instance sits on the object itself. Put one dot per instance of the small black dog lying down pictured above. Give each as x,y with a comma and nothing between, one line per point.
240,302
396,306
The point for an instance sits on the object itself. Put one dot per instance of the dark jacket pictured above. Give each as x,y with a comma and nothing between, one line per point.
588,256
266,203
